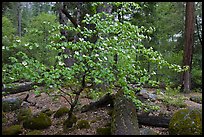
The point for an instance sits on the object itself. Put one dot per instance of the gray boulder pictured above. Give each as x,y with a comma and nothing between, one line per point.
11,104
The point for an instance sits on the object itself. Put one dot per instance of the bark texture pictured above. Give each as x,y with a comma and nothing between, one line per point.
155,121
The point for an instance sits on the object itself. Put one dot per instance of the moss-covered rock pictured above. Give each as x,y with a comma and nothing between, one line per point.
103,131
68,123
34,132
41,121
83,124
61,111
24,114
12,130
186,122
11,104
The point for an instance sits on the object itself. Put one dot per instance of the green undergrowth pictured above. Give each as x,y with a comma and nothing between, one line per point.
172,97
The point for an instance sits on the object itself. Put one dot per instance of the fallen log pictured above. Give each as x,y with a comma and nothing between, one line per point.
155,121
19,89
104,101
124,116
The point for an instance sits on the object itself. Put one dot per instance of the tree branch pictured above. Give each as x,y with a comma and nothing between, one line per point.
70,17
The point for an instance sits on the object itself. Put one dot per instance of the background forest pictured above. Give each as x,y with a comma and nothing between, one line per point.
28,26
69,49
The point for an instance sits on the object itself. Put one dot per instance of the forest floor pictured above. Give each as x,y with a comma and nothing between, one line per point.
97,118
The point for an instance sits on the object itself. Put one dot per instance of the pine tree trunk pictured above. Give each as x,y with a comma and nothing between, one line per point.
19,18
189,32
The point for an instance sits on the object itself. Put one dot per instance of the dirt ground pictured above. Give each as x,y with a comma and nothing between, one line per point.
97,118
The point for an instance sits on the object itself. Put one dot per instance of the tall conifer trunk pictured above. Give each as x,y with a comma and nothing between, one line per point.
188,45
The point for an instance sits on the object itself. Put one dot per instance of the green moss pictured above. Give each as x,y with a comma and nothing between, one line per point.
61,111
93,121
34,132
24,114
103,131
4,120
83,124
68,123
3,115
186,122
41,121
47,112
108,124
12,130
110,112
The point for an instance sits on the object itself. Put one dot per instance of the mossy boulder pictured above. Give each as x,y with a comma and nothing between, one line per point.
24,114
103,131
61,111
40,121
12,130
34,132
11,104
186,122
83,124
69,122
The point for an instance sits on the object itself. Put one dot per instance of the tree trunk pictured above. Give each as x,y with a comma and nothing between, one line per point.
189,32
124,117
19,18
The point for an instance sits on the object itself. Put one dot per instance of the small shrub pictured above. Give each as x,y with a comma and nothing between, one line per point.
172,97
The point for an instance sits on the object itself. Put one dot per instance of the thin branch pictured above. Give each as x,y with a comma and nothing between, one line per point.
66,94
70,17
72,89
70,103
